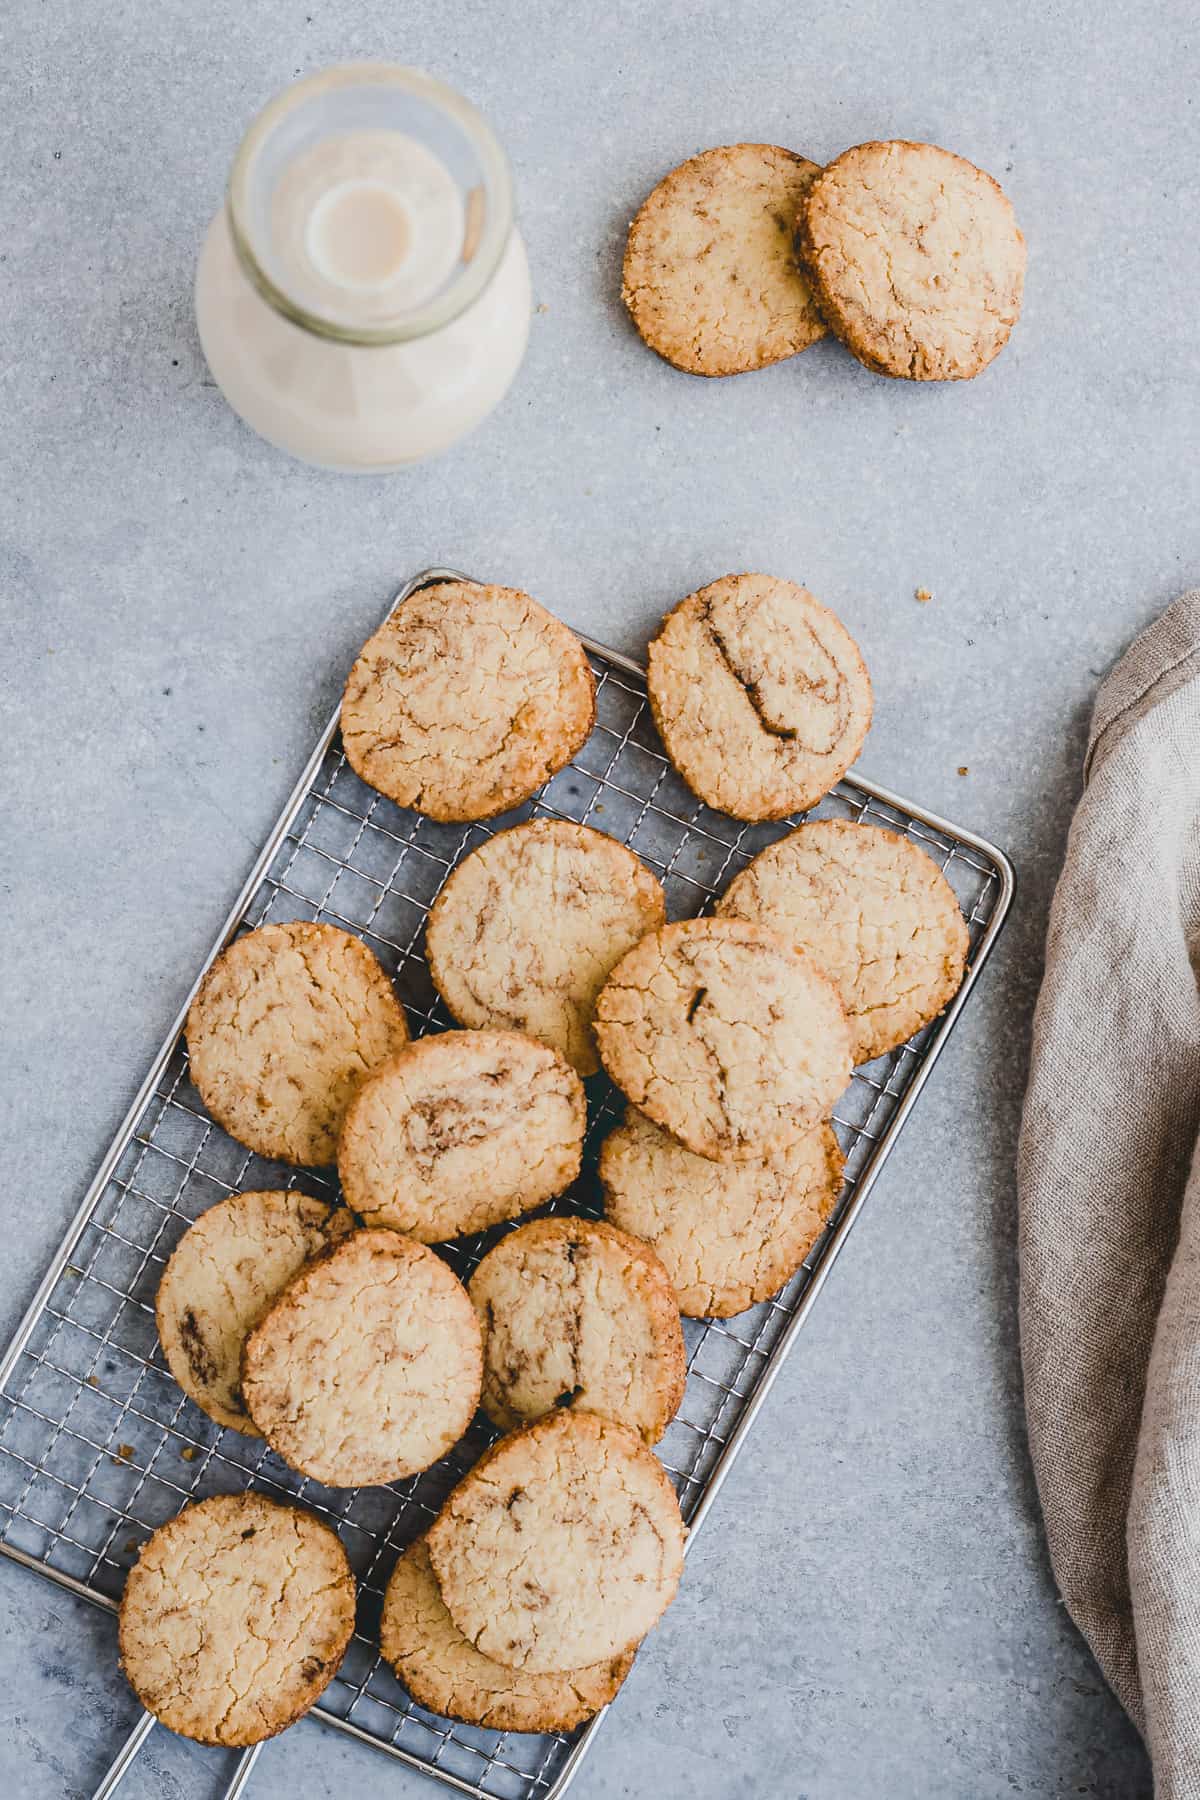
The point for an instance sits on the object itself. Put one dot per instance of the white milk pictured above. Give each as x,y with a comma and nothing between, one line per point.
363,298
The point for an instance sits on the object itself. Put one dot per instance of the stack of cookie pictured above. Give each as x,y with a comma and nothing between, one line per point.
343,1338
745,254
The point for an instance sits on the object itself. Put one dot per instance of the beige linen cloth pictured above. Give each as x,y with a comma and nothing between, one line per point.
1109,1187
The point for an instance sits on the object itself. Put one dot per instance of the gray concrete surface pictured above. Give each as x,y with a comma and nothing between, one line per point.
870,1611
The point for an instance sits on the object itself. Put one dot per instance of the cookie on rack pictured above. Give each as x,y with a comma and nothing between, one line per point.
874,910
235,1617
760,695
224,1274
562,1547
444,1672
725,1035
916,259
460,1131
577,1314
728,1234
711,277
527,927
466,700
368,1367
286,1024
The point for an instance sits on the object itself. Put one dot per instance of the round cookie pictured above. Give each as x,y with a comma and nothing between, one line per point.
225,1272
760,695
526,929
726,1036
286,1024
916,259
368,1367
873,910
460,1131
711,277
466,700
728,1234
562,1547
444,1672
576,1314
235,1617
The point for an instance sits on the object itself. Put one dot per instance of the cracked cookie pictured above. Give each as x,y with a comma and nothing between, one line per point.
562,1547
527,927
224,1274
368,1367
466,700
711,277
461,1131
873,910
728,1234
760,695
916,259
577,1314
444,1672
725,1035
286,1024
235,1617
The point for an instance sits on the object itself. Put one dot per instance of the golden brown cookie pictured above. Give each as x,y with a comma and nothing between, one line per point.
760,694
225,1272
368,1367
873,910
235,1617
527,927
562,1547
466,700
726,1036
577,1314
711,277
728,1234
286,1024
460,1131
444,1672
916,259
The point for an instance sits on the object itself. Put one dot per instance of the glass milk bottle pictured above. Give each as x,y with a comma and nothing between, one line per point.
363,295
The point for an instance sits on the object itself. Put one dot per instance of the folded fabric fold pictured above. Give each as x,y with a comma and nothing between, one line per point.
1110,1205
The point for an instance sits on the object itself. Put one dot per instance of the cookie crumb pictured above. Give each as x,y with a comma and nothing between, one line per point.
131,1545
91,1381
963,769
189,1452
923,594
543,308
123,1453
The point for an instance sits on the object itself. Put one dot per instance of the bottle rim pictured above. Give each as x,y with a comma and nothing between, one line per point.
474,276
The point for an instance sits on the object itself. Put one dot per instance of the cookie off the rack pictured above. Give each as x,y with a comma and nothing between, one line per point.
711,277
466,700
760,694
916,259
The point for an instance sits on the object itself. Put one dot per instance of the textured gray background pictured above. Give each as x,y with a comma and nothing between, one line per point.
870,1611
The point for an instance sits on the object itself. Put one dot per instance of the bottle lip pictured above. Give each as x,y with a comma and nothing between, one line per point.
474,276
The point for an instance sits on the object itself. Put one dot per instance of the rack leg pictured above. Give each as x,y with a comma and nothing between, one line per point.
125,1757
241,1775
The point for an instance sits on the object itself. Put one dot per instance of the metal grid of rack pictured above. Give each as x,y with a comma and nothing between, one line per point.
98,1446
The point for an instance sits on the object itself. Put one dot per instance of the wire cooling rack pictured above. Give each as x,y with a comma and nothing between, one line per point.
98,1446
